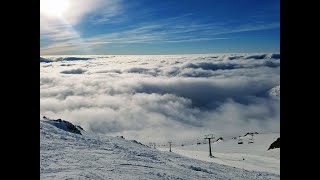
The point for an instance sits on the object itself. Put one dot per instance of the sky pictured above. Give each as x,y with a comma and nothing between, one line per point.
89,27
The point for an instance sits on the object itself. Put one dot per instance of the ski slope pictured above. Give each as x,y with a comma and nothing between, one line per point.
65,155
254,156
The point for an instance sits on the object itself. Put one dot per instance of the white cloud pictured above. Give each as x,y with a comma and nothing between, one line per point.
163,97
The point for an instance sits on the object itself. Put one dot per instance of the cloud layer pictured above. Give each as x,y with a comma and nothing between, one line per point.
157,98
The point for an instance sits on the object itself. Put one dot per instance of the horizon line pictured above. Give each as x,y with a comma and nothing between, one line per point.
159,54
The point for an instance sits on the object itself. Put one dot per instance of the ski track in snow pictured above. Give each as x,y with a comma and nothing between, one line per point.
65,155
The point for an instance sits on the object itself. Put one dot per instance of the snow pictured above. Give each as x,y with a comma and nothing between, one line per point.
256,155
65,155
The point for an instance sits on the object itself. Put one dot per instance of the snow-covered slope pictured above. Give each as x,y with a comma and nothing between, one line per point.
66,155
249,156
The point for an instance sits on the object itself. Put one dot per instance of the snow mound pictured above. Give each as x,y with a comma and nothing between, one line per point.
65,155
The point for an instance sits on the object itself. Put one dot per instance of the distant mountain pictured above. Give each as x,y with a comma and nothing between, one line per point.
67,58
43,60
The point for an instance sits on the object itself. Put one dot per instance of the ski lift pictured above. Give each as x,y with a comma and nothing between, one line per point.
198,142
251,140
240,140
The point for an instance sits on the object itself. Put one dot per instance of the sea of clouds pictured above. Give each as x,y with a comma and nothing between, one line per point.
163,97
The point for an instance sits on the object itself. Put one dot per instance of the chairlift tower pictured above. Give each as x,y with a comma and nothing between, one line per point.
251,139
240,140
209,137
170,142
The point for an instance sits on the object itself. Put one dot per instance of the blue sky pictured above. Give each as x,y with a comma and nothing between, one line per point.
159,27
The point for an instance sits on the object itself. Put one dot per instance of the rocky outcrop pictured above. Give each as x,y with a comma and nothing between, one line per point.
275,144
71,128
64,125
251,133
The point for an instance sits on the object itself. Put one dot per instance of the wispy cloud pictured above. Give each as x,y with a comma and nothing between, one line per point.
196,39
161,33
177,29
